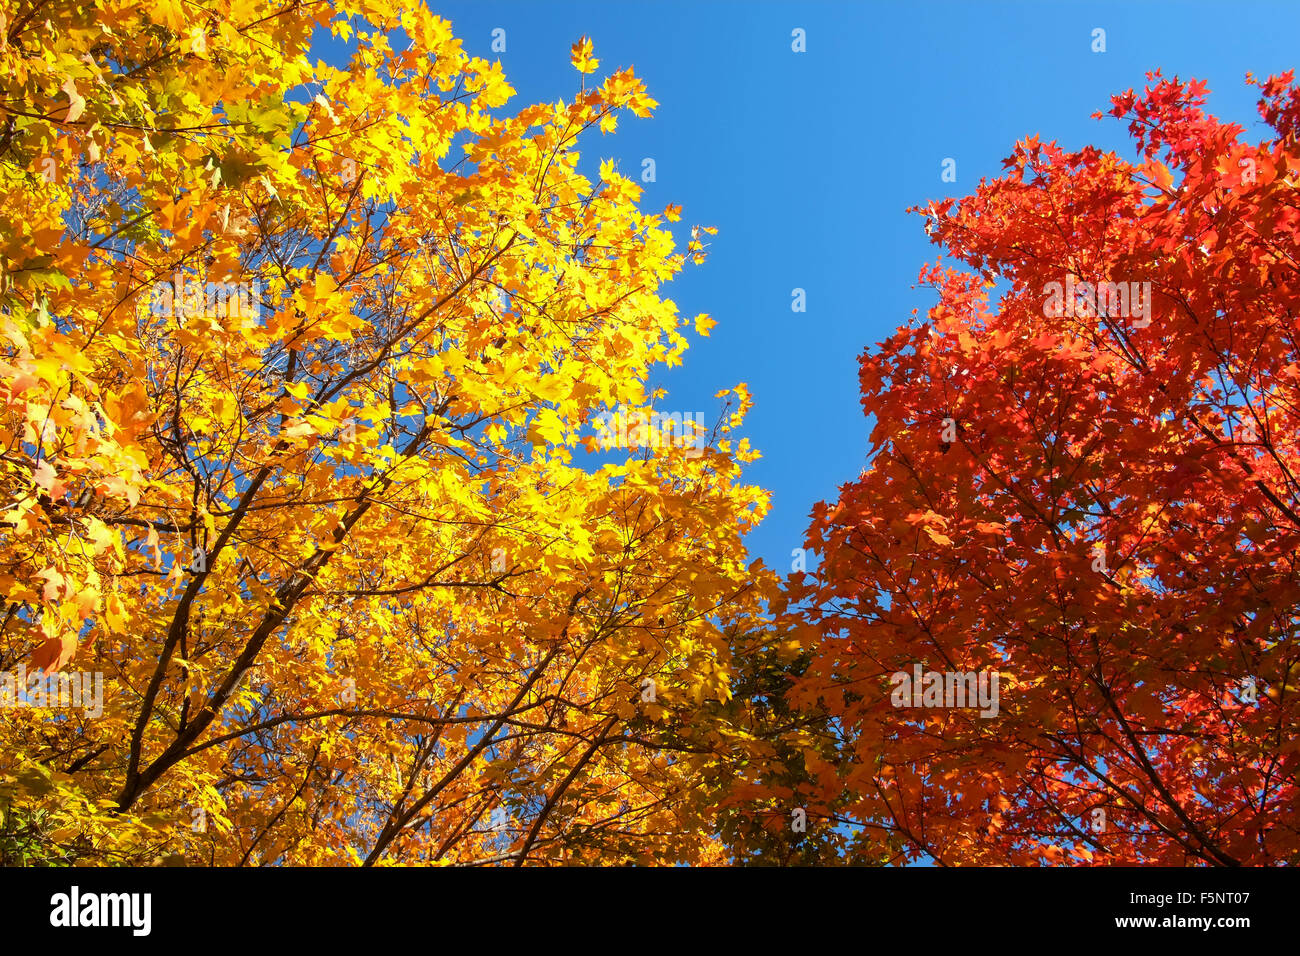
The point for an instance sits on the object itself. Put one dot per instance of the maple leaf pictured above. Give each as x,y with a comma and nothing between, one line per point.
581,56
47,479
53,653
76,102
936,536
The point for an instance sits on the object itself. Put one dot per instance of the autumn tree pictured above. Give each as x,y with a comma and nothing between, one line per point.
1091,489
299,366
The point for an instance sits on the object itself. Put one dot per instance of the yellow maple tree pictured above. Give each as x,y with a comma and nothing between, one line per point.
297,369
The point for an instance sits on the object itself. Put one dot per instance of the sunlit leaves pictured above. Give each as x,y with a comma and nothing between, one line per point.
293,394
1096,499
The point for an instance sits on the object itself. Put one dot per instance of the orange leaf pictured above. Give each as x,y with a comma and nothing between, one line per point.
53,653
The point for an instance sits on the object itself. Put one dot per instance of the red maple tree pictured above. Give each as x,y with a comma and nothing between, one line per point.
1091,490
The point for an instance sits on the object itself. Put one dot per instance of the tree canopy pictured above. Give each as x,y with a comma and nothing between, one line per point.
298,368
336,490
1094,498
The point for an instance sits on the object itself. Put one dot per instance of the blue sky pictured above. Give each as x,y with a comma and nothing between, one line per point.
806,162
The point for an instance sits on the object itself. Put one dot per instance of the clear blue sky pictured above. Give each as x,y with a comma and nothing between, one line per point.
806,162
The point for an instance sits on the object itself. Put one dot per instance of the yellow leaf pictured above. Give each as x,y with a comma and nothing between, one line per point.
938,537
76,102
581,57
